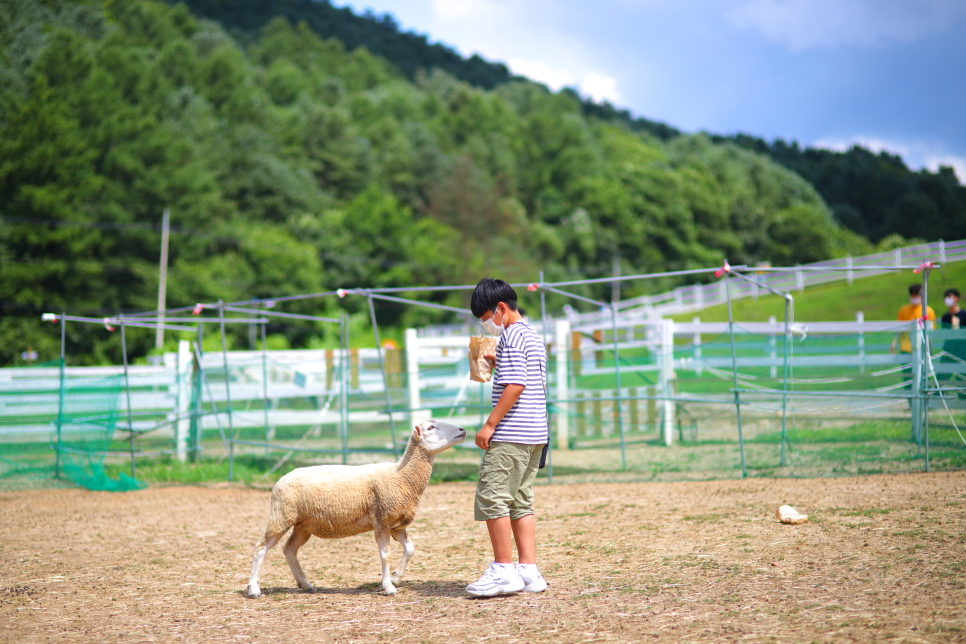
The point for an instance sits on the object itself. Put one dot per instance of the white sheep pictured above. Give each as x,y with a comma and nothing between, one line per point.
335,501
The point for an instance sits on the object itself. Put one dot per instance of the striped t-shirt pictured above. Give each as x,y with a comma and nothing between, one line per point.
522,360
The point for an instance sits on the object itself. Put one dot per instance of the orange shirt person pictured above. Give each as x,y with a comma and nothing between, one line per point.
909,312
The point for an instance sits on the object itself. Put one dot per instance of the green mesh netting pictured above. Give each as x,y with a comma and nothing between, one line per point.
56,433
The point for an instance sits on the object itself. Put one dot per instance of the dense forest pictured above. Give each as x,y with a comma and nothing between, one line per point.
875,195
294,163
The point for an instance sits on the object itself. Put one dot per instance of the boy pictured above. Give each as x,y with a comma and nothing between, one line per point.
513,437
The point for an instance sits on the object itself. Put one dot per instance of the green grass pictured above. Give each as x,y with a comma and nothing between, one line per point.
248,469
878,298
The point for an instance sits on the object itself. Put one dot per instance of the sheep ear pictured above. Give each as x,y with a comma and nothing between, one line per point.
419,430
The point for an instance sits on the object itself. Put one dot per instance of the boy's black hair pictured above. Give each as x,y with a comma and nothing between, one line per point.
951,291
915,289
490,292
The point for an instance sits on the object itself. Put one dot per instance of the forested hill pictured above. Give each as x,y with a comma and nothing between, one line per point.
875,195
293,165
408,51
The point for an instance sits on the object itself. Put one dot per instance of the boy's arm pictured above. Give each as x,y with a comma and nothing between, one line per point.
509,397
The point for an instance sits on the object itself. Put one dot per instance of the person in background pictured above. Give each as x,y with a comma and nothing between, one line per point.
955,317
909,312
954,349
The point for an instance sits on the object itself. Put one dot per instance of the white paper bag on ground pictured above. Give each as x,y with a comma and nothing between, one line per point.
788,514
480,370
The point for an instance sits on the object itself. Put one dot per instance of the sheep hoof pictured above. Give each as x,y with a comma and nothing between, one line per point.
254,592
390,589
395,579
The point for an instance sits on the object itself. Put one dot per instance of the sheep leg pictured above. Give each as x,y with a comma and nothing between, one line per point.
267,543
408,550
299,536
382,540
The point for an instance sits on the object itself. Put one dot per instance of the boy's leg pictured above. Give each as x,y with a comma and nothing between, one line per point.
499,530
525,535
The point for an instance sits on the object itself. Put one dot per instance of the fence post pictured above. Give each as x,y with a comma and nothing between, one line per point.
848,273
231,426
127,388
60,398
699,296
799,279
772,370
346,383
942,252
860,319
696,341
561,333
789,312
667,375
897,255
915,403
197,393
617,377
412,373
265,401
182,424
734,367
385,375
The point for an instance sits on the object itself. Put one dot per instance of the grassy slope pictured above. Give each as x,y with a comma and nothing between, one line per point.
879,298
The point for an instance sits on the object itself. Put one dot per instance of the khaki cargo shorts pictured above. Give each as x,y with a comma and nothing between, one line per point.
505,486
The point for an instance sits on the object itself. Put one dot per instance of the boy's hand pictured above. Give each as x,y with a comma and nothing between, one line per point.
491,358
483,436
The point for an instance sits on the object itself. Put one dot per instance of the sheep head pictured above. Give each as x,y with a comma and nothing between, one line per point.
436,436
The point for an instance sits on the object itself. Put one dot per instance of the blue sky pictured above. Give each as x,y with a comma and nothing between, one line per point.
890,74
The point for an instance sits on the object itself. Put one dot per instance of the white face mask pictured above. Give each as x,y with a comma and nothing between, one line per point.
915,300
950,302
492,327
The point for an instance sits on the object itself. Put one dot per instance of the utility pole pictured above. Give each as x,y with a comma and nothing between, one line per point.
163,281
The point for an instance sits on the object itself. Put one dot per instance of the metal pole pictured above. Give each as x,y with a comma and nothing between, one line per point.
231,427
784,457
925,357
617,376
265,385
127,388
60,402
382,366
543,319
163,279
734,372
345,389
196,413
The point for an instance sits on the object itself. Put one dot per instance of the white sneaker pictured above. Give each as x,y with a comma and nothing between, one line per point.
533,583
494,583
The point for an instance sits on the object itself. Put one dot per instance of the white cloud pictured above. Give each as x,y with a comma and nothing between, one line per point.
593,85
553,77
600,87
808,24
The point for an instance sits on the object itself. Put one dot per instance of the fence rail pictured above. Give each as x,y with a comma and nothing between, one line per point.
685,299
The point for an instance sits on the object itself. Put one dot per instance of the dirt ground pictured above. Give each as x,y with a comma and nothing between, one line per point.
883,558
